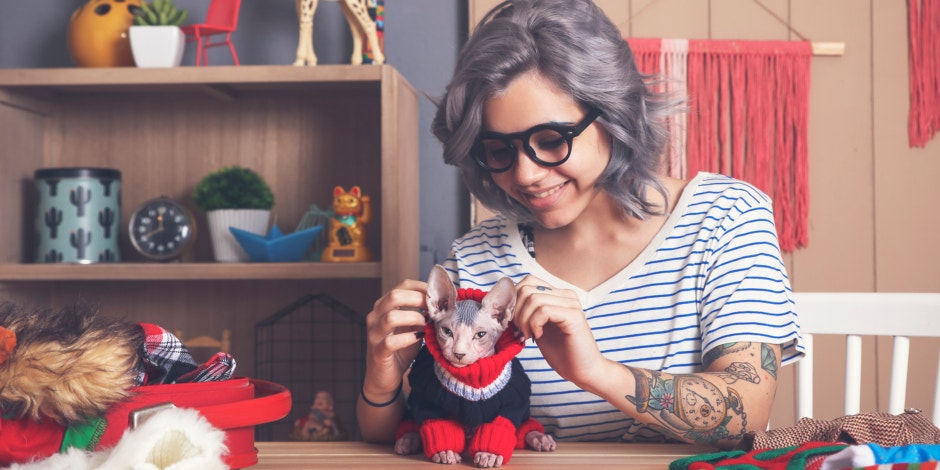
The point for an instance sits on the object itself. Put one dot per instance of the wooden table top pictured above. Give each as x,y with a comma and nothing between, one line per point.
568,455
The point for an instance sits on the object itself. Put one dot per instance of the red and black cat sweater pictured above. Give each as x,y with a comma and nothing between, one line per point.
489,398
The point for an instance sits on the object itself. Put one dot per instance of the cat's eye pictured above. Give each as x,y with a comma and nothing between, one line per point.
480,334
446,331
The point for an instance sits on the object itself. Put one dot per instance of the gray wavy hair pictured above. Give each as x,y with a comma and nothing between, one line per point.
573,44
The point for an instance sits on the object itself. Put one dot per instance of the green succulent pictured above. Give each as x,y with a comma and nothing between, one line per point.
233,187
159,13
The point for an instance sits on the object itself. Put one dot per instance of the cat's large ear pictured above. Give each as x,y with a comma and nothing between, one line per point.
501,300
442,295
338,191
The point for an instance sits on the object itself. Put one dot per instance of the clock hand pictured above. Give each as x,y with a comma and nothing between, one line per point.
148,234
156,230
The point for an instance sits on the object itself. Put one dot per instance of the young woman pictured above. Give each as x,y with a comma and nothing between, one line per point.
655,308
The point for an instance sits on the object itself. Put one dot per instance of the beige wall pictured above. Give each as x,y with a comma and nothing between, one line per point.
873,215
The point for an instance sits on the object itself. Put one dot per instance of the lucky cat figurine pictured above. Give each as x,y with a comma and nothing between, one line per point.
347,235
466,377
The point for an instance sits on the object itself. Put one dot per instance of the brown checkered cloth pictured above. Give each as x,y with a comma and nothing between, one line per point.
884,429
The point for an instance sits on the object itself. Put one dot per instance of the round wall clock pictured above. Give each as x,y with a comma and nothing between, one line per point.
162,229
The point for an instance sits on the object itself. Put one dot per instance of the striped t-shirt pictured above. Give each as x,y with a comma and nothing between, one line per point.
712,275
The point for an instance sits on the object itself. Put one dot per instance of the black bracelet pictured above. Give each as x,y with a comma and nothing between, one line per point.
373,404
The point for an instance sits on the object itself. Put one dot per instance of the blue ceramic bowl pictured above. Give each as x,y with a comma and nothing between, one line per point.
276,247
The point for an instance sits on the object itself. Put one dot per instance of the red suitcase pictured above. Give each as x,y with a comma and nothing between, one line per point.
234,406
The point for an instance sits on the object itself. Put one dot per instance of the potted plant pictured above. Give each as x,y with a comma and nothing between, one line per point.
233,197
156,37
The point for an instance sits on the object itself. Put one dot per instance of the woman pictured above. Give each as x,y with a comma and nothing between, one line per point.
656,308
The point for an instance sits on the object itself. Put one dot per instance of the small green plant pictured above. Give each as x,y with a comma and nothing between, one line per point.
233,187
159,13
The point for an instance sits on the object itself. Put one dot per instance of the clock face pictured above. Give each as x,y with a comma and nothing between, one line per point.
700,403
162,229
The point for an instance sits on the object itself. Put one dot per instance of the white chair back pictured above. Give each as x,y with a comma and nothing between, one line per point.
853,315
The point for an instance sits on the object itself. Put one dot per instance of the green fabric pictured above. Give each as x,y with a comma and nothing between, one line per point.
685,462
85,436
797,459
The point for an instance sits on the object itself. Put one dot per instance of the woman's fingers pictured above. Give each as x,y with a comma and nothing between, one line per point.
392,327
401,306
538,304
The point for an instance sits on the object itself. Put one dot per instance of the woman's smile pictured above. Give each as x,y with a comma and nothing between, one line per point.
543,199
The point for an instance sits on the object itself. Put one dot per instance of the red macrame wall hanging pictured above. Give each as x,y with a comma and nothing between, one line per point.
923,31
748,117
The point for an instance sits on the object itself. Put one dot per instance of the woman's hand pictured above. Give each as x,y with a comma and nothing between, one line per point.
394,330
555,320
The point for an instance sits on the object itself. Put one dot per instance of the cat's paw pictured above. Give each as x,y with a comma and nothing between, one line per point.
539,441
487,460
446,457
409,443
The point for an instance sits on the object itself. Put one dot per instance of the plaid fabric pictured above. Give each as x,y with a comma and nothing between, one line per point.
219,367
878,428
166,360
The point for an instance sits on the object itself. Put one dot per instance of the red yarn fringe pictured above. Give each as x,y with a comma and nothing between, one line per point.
749,119
924,64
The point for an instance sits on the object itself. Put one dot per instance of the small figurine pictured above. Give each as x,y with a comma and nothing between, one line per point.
467,379
321,423
352,211
365,28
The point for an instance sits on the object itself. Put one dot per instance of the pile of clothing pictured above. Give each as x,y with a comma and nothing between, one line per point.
62,370
863,441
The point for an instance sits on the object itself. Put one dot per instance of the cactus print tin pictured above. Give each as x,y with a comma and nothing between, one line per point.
78,215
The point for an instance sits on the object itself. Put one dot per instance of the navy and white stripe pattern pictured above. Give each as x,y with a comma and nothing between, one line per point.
469,392
712,275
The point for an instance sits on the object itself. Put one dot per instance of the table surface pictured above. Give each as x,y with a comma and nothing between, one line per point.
568,455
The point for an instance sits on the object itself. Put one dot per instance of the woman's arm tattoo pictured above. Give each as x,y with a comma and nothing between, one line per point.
768,358
688,406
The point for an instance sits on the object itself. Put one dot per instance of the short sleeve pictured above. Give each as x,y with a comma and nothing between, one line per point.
746,295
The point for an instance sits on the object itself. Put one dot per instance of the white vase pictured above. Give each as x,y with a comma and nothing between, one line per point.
157,46
224,245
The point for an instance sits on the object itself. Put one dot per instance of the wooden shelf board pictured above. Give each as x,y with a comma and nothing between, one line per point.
225,79
187,271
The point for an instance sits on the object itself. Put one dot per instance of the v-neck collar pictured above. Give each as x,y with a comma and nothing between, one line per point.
595,295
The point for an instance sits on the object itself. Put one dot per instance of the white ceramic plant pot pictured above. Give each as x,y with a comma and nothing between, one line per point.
157,46
224,245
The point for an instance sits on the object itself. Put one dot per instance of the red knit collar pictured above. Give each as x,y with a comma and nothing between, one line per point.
484,371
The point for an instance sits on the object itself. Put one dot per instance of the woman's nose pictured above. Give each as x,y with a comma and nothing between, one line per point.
526,170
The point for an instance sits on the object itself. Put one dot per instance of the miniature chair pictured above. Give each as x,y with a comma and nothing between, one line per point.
901,315
222,18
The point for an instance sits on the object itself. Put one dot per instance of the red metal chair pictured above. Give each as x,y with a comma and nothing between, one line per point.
222,18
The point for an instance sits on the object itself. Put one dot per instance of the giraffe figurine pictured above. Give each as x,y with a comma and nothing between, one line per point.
361,24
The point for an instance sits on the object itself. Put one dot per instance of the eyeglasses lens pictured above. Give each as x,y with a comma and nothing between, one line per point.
545,146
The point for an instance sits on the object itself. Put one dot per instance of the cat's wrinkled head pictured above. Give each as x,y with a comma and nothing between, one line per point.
467,330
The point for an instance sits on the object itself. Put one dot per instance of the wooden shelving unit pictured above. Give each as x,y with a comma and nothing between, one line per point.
187,271
304,129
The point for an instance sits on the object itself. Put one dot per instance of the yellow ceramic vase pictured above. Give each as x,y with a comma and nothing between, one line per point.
98,33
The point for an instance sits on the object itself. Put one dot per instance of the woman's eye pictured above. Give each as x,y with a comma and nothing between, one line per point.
549,140
501,153
480,334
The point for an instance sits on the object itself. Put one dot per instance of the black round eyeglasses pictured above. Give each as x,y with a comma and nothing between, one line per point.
546,144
